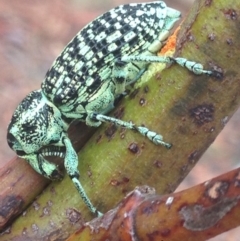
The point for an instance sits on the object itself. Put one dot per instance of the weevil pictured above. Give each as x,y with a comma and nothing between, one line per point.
106,56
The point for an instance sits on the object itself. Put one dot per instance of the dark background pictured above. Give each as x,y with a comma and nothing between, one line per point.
33,33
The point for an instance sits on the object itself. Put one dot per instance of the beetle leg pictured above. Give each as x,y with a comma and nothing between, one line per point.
71,164
192,66
151,135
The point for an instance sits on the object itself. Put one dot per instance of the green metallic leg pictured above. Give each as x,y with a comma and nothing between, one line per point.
151,135
194,67
71,163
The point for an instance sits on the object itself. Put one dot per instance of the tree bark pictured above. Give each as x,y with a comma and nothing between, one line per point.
197,213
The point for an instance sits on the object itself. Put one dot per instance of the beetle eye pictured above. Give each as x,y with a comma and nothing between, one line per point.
11,140
20,153
14,144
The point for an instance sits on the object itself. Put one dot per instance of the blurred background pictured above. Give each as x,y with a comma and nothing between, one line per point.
33,33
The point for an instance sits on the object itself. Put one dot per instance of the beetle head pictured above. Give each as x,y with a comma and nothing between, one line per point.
35,123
